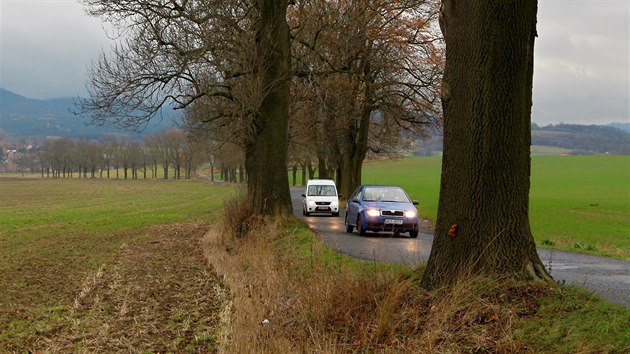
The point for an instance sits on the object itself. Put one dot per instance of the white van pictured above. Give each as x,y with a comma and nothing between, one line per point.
320,197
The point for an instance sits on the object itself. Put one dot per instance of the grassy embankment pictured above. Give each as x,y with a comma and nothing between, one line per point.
579,203
104,265
292,294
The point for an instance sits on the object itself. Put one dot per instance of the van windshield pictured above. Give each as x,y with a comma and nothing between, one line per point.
322,190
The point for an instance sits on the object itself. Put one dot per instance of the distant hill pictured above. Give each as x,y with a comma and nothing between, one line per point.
22,116
567,138
583,139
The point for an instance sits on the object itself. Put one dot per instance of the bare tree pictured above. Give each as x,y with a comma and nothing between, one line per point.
373,68
174,53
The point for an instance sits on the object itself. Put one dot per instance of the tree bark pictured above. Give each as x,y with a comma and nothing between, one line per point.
266,147
483,217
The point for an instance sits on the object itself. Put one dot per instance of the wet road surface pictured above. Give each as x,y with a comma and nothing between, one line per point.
609,278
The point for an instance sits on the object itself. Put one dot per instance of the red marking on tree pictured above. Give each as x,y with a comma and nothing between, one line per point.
453,230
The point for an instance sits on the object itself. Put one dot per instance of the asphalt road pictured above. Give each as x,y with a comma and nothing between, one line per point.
610,278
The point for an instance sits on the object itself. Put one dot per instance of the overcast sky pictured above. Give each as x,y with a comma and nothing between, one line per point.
581,64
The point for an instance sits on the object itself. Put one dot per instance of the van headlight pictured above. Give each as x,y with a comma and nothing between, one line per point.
373,212
410,214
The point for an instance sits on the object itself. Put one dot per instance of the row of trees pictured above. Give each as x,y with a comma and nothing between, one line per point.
351,77
356,75
167,154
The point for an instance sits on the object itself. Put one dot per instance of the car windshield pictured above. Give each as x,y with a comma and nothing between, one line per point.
322,190
385,194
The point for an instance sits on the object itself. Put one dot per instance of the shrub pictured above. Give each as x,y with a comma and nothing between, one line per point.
548,242
238,216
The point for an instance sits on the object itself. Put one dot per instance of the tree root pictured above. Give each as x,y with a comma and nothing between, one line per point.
538,273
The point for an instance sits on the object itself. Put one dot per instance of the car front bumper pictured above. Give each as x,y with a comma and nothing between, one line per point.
381,226
394,224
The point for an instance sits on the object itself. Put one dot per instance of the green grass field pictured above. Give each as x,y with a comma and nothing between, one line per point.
579,203
45,207
76,254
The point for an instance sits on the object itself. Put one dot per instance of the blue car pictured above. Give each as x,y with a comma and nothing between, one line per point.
381,208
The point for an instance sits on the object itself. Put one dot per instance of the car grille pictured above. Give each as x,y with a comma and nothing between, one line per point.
392,213
322,203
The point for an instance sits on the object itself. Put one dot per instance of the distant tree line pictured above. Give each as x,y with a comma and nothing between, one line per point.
168,154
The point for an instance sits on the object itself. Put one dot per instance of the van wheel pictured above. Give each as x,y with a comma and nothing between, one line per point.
349,227
360,226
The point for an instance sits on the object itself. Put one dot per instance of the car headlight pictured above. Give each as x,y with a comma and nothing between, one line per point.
410,214
311,203
373,212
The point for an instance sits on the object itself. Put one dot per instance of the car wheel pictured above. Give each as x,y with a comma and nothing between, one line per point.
335,214
360,226
349,227
413,233
303,211
306,213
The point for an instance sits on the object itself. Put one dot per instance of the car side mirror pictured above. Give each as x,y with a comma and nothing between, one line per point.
415,202
303,196
340,196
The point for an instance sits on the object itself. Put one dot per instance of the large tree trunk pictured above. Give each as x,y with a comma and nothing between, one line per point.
354,149
266,148
483,222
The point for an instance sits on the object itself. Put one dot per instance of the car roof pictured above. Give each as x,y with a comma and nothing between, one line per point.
380,185
321,181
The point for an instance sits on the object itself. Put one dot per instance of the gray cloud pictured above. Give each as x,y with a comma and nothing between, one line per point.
45,47
581,63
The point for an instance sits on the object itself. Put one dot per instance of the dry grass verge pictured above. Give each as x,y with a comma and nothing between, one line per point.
290,294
